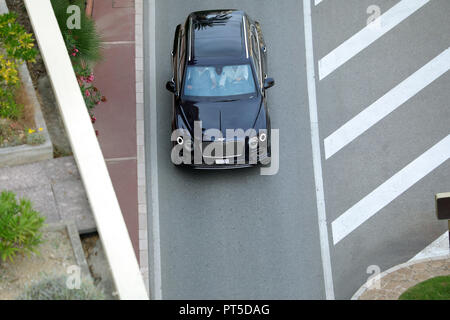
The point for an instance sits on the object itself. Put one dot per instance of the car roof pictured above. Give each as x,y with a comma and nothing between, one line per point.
217,34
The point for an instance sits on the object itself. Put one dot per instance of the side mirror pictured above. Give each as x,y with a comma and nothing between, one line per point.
269,83
170,85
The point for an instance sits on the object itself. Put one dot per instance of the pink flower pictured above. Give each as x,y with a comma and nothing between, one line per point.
74,54
90,78
88,94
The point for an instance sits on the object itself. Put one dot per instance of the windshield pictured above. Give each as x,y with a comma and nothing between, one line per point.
219,81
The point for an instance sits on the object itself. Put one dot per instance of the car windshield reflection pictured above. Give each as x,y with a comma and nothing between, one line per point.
219,81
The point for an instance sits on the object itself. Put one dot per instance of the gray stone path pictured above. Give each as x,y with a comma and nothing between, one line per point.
54,188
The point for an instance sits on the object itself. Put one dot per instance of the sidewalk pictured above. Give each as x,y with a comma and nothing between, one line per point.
116,124
393,282
120,120
54,188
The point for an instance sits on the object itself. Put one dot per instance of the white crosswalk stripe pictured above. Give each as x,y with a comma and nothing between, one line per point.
368,35
390,190
386,104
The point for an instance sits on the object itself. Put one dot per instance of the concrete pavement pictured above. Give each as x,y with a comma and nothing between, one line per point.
54,188
116,118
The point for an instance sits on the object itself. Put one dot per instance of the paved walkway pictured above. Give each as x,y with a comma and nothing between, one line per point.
54,188
120,121
116,119
395,281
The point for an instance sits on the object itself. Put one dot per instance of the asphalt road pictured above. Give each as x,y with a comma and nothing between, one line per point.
240,235
406,225
237,234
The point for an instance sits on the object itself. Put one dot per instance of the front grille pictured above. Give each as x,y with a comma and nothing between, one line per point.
223,150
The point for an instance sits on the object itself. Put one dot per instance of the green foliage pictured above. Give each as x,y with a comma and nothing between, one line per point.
86,39
8,106
16,46
56,289
34,138
437,288
20,227
19,44
84,48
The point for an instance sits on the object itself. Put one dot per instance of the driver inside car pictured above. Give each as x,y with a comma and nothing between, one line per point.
233,74
200,79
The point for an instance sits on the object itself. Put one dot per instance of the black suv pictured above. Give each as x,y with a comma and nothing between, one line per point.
220,117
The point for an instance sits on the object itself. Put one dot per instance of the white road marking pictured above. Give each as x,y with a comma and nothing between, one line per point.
390,190
386,104
437,248
317,159
155,240
316,2
368,35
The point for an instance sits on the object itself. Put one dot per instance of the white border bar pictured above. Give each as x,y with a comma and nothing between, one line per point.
368,35
390,190
386,104
317,159
90,161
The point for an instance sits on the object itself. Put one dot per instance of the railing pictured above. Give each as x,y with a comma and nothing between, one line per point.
91,164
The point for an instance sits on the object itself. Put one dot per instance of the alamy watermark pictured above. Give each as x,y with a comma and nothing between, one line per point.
374,20
73,281
74,20
210,147
374,281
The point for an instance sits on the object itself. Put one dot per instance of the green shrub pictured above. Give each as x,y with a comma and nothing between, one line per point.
20,227
19,44
56,289
86,39
9,109
84,48
16,47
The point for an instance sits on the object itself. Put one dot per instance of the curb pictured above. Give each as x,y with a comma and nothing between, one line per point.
140,133
369,283
75,241
24,154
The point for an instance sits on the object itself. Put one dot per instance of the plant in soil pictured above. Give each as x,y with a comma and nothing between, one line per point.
56,288
84,48
16,47
20,227
16,112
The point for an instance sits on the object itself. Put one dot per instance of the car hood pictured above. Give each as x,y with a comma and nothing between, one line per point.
222,115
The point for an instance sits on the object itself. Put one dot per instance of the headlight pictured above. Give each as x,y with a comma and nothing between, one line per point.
253,142
262,137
